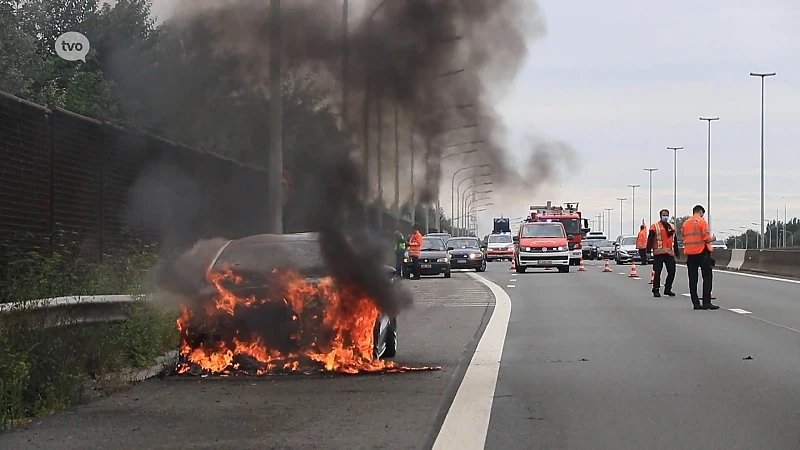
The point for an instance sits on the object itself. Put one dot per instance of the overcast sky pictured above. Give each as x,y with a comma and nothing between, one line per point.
621,80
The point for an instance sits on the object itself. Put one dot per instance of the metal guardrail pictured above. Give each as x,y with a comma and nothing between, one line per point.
71,310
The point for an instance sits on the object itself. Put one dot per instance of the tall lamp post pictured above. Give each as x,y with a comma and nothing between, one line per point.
621,199
608,222
650,207
708,174
675,182
633,209
762,75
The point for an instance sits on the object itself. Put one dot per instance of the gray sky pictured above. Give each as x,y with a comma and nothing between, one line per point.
622,80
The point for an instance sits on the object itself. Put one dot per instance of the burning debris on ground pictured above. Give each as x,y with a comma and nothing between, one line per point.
281,323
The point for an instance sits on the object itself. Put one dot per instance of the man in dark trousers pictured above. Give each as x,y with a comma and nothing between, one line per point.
664,247
697,239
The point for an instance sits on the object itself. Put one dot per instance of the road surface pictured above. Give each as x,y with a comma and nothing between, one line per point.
585,360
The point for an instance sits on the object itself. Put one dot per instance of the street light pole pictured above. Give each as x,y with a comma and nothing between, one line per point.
651,195
633,209
608,222
708,175
453,190
675,182
275,156
762,75
621,199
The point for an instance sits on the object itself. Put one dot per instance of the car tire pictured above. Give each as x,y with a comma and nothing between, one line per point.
391,340
521,269
563,269
482,268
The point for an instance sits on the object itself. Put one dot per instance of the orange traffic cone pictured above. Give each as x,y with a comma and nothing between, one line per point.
607,268
581,268
652,276
633,274
513,264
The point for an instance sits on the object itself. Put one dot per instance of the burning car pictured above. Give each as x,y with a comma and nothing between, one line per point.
270,304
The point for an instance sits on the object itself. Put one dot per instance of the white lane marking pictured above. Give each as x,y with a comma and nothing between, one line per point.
510,285
776,324
686,295
622,273
636,278
752,275
467,420
740,311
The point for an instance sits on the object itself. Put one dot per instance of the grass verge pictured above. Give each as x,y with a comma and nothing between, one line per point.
42,370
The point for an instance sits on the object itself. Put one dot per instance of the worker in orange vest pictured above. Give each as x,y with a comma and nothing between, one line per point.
641,243
661,243
697,241
414,247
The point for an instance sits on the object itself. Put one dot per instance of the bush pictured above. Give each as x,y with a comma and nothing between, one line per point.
42,370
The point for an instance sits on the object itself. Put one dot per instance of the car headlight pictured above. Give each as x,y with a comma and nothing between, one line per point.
561,249
441,260
475,255
527,249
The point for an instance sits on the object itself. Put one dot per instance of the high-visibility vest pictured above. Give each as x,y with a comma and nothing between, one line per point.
665,244
415,244
641,240
696,236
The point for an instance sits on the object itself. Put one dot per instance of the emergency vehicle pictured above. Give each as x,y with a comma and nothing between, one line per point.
574,225
500,244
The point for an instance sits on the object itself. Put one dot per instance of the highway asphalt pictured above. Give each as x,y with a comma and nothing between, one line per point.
392,411
584,360
593,361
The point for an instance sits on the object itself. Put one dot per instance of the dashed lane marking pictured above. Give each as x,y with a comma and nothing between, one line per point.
740,311
511,286
467,420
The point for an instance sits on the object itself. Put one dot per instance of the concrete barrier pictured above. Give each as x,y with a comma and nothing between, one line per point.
775,262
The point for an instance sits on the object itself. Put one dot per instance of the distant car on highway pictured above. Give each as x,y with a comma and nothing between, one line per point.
466,253
626,250
719,244
444,236
604,249
499,247
433,257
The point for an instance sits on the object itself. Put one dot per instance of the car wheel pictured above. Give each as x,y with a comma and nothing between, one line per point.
521,269
391,340
482,268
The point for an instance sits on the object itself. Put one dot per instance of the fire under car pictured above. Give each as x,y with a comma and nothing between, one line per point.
252,256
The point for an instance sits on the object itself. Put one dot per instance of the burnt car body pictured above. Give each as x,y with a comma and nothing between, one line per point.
261,254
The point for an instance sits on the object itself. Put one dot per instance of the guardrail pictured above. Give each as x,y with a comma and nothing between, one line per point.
774,262
71,310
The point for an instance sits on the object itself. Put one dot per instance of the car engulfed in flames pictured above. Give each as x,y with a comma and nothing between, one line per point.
266,305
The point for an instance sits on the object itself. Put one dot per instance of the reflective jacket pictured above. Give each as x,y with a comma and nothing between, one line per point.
696,236
415,244
641,240
662,239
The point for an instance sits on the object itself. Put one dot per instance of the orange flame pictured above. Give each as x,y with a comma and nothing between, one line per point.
331,328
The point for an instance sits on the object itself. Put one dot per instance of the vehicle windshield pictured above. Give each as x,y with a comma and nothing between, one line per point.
500,239
628,241
463,243
432,244
600,243
571,226
718,242
543,231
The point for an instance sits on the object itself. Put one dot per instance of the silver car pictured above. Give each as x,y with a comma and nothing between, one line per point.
626,250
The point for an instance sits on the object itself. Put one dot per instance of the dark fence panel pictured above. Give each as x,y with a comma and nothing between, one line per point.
25,137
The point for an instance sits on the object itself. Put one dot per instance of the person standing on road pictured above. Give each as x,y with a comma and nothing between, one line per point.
415,246
399,252
697,241
661,242
641,243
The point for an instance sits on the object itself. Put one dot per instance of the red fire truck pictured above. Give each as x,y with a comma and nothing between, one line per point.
575,226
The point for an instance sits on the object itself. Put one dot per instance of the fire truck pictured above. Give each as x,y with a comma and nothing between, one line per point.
575,226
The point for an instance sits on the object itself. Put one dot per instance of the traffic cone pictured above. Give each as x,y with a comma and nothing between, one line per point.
713,297
513,264
607,268
581,268
633,274
652,276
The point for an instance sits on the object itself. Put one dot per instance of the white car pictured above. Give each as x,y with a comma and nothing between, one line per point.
719,244
626,250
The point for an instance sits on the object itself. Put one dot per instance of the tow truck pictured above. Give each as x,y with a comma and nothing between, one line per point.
569,216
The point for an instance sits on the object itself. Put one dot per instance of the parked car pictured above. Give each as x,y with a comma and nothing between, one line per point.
590,247
466,253
626,250
433,260
719,244
605,250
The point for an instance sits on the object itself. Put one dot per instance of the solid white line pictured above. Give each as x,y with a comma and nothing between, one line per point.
467,420
752,275
740,311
